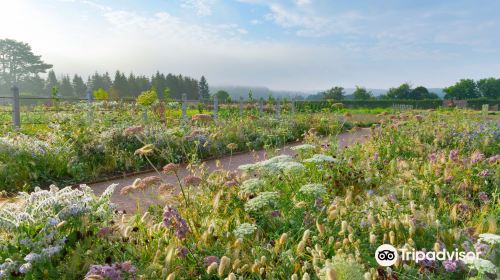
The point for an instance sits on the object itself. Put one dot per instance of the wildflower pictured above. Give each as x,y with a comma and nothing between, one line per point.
225,262
314,190
170,168
127,189
490,238
25,268
232,146
51,250
318,158
449,265
165,188
231,183
201,117
484,173
303,147
432,157
244,229
148,182
481,265
145,150
182,251
104,231
261,201
251,186
494,159
448,179
133,130
173,220
32,257
483,197
453,155
476,157
191,180
210,259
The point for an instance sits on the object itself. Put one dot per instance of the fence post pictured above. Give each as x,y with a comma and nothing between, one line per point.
16,111
216,107
241,106
278,108
261,107
293,106
90,112
184,106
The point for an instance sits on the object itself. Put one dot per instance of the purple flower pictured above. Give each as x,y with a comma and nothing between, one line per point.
276,213
476,157
182,252
483,196
494,158
375,157
369,192
210,259
318,202
450,266
484,173
453,156
448,179
481,249
104,231
173,220
432,157
113,272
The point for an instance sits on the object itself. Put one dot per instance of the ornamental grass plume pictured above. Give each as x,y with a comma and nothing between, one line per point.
225,263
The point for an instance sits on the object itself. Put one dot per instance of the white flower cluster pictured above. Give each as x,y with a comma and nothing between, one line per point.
40,205
244,230
318,158
489,238
481,265
303,147
275,165
261,201
314,190
252,186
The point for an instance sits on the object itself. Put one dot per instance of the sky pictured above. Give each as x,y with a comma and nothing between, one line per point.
297,45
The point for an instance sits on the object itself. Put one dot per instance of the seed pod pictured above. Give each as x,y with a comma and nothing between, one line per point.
225,262
344,226
231,276
330,274
300,247
306,235
306,276
171,276
212,268
283,239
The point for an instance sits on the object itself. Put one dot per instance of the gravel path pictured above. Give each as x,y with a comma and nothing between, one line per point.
129,203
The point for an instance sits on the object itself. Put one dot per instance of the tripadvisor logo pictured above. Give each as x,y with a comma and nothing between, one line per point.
387,255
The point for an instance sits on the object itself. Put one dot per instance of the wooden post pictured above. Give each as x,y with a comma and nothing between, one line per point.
261,107
293,106
241,106
184,106
16,110
90,112
216,107
278,110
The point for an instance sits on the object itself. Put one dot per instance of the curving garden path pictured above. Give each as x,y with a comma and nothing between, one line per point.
129,203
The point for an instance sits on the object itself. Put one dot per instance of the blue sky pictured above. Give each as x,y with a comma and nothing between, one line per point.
290,45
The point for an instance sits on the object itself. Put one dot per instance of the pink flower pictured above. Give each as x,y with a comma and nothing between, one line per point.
191,180
484,173
453,156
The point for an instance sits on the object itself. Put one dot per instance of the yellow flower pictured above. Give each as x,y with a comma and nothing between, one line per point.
146,150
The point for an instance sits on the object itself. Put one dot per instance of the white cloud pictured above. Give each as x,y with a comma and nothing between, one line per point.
202,7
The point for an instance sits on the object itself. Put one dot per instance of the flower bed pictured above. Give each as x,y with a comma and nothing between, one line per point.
426,182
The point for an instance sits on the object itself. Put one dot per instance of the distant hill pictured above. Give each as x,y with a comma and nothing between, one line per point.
236,91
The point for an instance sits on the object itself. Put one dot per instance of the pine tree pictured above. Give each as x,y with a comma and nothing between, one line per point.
79,86
66,88
51,82
120,85
204,91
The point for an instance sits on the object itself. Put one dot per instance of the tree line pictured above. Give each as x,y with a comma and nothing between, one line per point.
20,67
488,88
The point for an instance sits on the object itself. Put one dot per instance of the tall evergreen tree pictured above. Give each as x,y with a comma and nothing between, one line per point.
66,88
120,85
79,86
204,91
51,82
